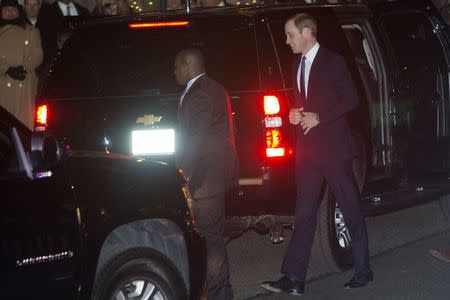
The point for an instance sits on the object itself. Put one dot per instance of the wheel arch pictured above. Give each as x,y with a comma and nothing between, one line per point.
162,236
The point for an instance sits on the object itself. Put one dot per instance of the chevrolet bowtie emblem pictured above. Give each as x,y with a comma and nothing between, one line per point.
148,119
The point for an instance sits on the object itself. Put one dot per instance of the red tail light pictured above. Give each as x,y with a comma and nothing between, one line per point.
41,117
158,24
275,152
273,138
271,105
273,121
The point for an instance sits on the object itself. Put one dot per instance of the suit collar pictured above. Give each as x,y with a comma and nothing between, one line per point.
311,54
192,81
190,86
63,7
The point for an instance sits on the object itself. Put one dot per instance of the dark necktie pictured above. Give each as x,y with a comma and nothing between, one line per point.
302,77
68,11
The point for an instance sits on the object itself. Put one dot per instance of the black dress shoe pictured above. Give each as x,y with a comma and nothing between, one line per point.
359,280
285,284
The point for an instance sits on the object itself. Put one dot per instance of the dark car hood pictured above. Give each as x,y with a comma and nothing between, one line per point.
124,183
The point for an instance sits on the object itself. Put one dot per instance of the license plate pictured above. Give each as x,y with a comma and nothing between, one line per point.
153,142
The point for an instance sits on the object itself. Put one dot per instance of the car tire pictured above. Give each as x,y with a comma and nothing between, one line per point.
135,273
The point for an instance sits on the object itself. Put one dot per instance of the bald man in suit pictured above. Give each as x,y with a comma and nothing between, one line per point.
206,153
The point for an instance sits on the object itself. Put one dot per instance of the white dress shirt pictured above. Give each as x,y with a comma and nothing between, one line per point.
188,86
63,7
33,21
310,56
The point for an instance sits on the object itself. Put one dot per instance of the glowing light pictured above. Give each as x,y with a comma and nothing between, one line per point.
272,122
275,152
153,142
41,114
273,138
271,105
158,24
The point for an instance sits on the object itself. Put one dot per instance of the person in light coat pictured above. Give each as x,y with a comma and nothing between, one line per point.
20,55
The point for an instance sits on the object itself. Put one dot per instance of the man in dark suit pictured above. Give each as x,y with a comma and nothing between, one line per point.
325,93
206,154
51,23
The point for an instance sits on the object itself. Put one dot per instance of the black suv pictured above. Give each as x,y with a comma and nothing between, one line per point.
112,89
90,225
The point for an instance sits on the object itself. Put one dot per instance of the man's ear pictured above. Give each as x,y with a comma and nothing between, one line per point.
307,32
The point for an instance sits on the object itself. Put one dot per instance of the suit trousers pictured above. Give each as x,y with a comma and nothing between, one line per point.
341,181
209,215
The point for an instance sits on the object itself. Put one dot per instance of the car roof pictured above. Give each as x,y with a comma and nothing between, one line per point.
240,12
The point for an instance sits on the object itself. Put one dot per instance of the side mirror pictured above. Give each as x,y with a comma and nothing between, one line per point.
45,151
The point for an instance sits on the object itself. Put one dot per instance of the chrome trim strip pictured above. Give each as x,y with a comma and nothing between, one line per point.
44,258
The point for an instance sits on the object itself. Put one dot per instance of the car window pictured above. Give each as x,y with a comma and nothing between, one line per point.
421,70
114,60
412,40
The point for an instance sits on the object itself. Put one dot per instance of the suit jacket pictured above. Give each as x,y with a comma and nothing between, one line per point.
51,23
205,139
331,94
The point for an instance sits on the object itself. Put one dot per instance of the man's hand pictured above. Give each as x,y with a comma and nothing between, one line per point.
308,120
295,114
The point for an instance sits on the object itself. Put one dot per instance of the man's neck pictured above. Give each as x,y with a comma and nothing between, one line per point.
66,2
309,47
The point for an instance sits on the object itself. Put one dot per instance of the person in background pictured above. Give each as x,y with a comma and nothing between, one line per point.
175,4
111,8
123,8
52,24
213,3
20,55
32,8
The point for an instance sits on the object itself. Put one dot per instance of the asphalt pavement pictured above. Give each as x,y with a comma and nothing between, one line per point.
398,243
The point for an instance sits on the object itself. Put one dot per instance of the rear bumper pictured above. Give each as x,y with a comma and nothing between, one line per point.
196,247
271,192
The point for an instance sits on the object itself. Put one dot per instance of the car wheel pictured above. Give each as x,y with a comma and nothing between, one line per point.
138,274
338,233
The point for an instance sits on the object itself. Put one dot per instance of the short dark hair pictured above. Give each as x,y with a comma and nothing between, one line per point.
9,3
25,1
302,20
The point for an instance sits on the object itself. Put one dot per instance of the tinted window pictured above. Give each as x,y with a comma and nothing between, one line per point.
271,78
412,40
421,84
116,61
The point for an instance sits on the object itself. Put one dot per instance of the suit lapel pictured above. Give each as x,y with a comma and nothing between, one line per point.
314,74
299,101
